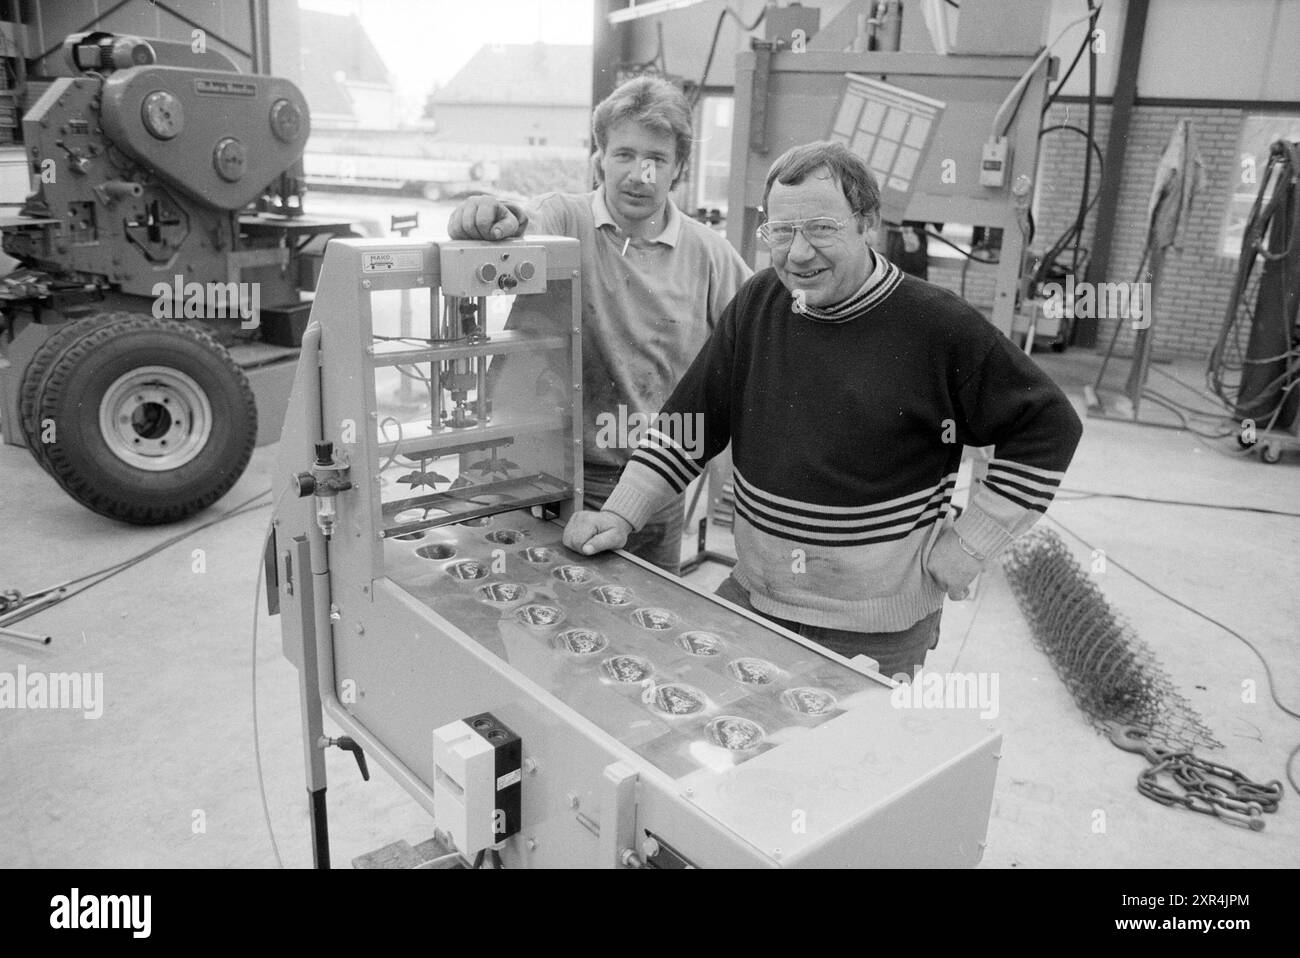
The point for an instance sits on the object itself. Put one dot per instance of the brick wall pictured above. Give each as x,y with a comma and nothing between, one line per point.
1195,286
981,280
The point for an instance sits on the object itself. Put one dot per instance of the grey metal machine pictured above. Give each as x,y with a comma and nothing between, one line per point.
162,254
952,139
556,709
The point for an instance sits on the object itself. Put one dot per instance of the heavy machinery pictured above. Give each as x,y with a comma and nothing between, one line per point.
1260,388
555,709
162,256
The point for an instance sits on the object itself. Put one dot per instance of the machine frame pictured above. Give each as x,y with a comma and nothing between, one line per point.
388,668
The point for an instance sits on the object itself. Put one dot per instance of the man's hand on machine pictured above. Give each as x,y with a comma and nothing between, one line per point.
486,218
592,532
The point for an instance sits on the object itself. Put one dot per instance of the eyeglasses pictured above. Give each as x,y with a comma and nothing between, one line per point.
820,231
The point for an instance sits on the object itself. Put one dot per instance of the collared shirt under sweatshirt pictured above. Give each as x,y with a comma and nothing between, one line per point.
648,307
847,429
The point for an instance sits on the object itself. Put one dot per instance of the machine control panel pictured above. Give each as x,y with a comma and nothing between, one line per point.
472,269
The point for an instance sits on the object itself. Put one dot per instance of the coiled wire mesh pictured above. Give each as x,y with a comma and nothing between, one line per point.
1111,673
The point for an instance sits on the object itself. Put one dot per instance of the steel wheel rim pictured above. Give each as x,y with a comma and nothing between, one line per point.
155,418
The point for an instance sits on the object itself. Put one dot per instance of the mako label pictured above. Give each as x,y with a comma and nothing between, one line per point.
394,261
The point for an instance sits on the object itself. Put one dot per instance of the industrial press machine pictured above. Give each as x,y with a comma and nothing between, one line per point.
557,709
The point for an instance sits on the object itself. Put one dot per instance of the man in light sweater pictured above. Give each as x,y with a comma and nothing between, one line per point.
847,390
654,283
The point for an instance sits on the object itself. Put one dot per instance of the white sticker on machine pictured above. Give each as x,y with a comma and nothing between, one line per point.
393,261
508,779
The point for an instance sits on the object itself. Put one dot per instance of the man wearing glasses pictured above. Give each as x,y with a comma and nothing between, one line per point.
847,390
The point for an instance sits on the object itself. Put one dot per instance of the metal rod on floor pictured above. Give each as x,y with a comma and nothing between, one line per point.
26,636
31,605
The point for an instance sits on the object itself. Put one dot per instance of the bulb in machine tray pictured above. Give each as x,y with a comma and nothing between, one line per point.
678,699
700,643
656,620
808,701
627,668
574,574
502,592
540,554
467,569
612,594
735,733
581,641
753,671
539,615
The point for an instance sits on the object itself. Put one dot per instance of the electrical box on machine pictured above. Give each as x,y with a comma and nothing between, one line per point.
476,781
993,163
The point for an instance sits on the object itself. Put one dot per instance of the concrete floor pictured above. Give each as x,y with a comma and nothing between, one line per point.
166,777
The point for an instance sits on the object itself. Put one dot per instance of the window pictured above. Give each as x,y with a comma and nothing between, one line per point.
713,154
1259,131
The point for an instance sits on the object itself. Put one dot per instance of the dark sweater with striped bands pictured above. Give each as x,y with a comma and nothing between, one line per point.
846,437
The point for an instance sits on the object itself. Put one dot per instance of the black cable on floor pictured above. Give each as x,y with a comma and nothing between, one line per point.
1090,494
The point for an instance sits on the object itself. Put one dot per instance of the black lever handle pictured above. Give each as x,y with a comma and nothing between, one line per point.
348,745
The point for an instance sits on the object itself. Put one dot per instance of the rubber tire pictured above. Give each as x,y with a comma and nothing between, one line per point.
74,385
38,367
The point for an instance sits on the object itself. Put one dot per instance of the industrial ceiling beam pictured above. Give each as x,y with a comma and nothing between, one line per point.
635,11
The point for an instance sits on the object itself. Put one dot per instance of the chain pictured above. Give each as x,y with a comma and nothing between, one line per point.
1240,801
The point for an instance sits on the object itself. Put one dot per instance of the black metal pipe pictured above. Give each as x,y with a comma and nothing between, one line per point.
1130,56
320,829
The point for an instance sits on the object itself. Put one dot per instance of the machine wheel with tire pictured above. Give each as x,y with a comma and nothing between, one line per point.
152,419
35,432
